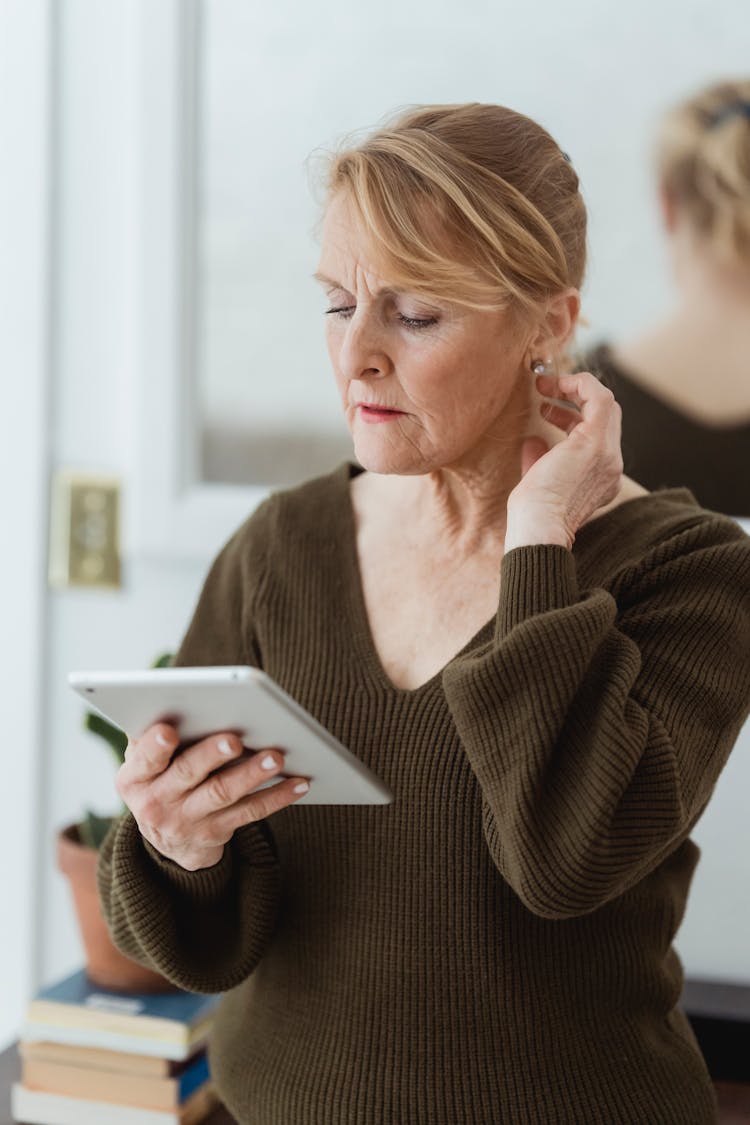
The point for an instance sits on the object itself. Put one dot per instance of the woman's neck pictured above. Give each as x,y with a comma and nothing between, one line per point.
463,506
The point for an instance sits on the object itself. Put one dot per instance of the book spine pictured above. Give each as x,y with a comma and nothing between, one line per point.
36,1108
108,1040
193,1078
93,1084
97,1058
62,1015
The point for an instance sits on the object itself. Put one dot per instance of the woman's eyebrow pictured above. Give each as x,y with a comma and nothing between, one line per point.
387,291
321,277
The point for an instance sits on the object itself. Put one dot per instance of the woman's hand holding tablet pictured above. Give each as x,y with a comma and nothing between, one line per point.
189,805
246,750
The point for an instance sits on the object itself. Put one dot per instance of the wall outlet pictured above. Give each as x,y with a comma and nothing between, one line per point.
85,530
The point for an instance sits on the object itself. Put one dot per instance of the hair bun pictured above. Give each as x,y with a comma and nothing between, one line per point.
704,166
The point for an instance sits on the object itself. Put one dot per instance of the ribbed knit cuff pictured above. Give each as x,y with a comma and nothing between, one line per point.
203,886
534,579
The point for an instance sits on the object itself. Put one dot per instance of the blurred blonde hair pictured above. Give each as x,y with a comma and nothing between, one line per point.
703,159
472,203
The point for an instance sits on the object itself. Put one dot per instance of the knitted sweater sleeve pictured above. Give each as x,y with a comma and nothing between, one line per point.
204,930
597,721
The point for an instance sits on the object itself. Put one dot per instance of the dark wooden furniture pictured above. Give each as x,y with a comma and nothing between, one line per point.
720,1015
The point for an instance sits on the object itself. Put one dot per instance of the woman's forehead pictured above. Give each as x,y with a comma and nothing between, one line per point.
347,254
351,280
351,256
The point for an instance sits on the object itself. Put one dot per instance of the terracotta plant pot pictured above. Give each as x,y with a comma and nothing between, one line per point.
105,965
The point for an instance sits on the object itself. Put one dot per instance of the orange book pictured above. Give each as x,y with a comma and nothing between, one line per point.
96,1084
102,1059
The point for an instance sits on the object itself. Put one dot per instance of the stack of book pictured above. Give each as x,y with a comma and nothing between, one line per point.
95,1057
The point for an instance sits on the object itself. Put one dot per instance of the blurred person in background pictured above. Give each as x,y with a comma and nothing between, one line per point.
684,385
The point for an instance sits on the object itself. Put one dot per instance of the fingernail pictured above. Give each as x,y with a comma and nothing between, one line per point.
302,787
223,746
268,763
163,741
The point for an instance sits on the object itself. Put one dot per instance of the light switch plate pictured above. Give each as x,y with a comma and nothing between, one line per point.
85,530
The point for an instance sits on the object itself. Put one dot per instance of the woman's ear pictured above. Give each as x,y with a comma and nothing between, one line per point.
557,325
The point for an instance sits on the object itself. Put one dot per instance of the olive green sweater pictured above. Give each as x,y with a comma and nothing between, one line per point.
495,946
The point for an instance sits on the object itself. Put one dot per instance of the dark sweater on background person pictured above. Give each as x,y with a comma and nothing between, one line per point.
495,947
662,447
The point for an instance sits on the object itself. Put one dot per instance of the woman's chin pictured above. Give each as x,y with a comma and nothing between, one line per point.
378,456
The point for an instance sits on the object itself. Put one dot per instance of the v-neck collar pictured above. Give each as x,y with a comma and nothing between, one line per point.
359,619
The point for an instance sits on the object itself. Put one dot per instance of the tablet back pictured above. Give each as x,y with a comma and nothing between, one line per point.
244,700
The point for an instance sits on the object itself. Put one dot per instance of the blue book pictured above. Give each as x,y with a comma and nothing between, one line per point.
193,1077
170,1024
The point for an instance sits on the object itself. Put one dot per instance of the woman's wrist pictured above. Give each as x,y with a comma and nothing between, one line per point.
531,529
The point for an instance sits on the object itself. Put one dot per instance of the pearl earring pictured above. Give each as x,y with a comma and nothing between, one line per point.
539,367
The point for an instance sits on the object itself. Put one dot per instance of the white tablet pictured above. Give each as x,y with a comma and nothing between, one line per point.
244,700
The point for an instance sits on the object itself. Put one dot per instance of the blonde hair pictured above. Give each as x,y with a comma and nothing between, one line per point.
473,203
703,159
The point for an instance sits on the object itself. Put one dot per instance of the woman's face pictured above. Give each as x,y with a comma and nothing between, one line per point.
424,384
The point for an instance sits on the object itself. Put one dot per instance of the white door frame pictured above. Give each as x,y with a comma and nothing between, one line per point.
26,131
175,515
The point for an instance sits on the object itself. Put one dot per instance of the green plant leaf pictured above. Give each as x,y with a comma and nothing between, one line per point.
115,738
93,828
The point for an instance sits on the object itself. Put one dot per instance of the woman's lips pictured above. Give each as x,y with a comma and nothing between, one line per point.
374,414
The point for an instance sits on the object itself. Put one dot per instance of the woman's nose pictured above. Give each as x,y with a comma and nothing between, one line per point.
363,350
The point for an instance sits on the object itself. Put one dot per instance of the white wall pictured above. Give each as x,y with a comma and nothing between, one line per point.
600,110
714,940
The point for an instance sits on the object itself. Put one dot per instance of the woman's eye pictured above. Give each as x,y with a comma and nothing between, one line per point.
417,322
345,311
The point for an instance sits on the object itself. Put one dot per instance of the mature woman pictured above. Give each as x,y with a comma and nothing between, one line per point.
683,384
547,665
